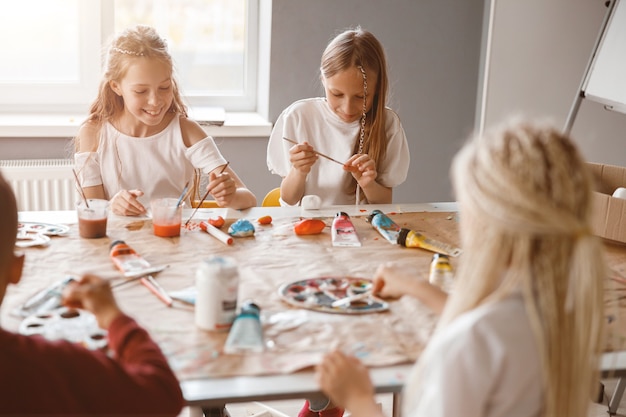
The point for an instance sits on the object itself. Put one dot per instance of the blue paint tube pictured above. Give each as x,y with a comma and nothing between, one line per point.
246,333
385,226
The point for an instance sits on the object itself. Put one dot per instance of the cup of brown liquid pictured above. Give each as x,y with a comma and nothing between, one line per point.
92,218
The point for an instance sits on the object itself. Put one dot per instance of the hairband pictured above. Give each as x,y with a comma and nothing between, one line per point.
127,52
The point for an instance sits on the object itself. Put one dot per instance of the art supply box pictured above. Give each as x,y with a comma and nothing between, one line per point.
609,213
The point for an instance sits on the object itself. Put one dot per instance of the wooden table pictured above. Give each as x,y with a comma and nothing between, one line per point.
297,338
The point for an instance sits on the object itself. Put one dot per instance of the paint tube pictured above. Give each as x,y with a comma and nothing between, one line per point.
441,273
385,226
413,239
343,232
126,259
246,333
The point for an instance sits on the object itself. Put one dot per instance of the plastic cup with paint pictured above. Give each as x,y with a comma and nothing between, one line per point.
166,216
92,218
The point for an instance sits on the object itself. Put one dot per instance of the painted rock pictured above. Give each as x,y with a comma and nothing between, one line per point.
241,228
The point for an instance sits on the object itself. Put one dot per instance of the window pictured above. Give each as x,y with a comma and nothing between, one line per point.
53,50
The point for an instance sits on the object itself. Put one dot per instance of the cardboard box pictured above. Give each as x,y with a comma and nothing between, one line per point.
609,213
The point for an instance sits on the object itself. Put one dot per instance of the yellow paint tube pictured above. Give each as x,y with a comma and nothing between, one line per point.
413,239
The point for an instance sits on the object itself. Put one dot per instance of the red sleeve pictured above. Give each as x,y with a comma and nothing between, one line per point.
149,376
62,378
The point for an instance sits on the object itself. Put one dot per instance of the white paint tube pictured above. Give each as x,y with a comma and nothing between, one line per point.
246,333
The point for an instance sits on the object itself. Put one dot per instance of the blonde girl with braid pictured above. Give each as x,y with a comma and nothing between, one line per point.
522,331
351,124
137,142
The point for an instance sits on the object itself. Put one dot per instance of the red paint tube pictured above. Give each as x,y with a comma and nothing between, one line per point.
343,232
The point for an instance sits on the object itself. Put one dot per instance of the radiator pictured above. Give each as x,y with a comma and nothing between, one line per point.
41,184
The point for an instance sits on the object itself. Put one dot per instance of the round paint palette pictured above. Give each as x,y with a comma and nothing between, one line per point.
76,326
27,239
345,295
42,228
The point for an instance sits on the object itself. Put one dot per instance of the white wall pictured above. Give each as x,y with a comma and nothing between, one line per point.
539,53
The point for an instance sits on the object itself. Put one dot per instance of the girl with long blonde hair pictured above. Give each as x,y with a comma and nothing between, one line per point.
522,331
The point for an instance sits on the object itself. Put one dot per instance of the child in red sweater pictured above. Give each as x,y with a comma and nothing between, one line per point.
61,378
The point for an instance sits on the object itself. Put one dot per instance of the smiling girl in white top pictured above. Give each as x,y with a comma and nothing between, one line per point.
137,142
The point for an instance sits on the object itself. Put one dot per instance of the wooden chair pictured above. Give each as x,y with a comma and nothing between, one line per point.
272,199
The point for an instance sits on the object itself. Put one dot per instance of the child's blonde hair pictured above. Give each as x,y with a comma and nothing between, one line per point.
524,194
358,48
134,43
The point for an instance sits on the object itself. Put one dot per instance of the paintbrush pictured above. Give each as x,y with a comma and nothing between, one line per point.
121,277
182,195
204,197
316,152
349,299
82,192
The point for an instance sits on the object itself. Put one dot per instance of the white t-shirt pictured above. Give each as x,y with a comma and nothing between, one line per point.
159,165
485,363
313,120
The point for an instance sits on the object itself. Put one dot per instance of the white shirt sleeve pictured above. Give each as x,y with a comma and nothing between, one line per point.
87,166
395,167
205,155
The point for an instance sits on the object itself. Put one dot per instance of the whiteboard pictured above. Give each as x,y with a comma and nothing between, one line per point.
606,79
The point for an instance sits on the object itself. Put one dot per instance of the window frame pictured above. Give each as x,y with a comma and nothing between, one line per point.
96,20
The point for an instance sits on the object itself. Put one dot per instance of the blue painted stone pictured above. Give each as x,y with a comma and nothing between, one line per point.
241,228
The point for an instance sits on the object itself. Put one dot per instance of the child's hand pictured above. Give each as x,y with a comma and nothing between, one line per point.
93,294
125,203
392,281
302,157
347,383
362,168
222,187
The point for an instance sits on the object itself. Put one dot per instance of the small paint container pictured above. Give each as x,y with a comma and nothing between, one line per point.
441,273
217,285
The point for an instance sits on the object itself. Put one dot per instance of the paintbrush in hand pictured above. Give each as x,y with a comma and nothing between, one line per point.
316,152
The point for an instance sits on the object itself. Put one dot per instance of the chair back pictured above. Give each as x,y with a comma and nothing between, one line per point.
272,199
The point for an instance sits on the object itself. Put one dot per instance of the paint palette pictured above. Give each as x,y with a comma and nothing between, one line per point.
47,229
76,326
27,239
37,234
344,295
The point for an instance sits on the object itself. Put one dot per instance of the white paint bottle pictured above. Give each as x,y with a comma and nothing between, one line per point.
217,284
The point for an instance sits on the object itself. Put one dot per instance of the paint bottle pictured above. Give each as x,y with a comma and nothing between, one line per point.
441,273
384,225
246,334
343,232
126,259
217,284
